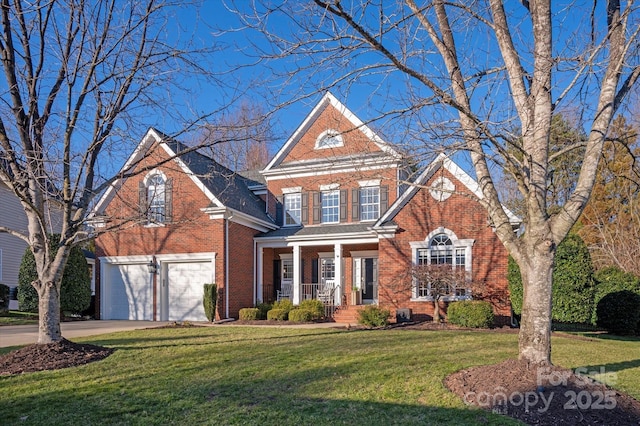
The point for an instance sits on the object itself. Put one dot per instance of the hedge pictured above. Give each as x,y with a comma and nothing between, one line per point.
4,298
619,312
277,314
315,306
209,300
573,283
249,314
300,315
470,313
373,316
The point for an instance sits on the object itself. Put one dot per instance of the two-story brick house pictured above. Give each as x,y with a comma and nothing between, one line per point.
332,217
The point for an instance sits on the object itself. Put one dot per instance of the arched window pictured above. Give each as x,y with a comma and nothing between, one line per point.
155,198
329,139
441,249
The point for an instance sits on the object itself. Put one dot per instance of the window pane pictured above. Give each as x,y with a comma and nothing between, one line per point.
330,206
327,269
293,208
369,203
287,269
156,198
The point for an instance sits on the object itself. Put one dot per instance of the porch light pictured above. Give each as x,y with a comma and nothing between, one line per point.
152,267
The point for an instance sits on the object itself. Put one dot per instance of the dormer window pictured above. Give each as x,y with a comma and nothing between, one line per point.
329,139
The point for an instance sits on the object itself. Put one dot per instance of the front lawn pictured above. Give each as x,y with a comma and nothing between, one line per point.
263,376
18,318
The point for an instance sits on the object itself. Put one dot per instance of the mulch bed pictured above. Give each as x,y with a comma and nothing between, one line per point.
51,356
544,396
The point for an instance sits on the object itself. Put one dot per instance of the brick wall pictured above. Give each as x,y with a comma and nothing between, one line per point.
464,216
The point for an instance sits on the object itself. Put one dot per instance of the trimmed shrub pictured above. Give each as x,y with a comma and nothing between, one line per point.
374,316
209,300
277,314
263,309
470,313
573,283
619,312
315,306
249,314
613,279
75,290
300,315
4,298
284,304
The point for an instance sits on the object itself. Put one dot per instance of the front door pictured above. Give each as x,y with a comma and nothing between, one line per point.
366,278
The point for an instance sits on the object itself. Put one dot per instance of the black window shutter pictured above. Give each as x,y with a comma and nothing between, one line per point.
317,207
314,271
304,214
142,199
302,271
279,211
355,204
168,201
277,281
384,199
343,205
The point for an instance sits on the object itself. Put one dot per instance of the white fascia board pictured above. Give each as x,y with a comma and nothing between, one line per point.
304,171
144,258
328,99
151,137
314,240
239,217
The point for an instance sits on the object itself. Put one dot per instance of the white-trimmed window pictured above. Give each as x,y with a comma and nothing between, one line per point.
330,201
156,198
442,247
369,203
292,208
329,139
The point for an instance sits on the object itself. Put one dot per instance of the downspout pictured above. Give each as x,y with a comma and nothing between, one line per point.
226,266
255,273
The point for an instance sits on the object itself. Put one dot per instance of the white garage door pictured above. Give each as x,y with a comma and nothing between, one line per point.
127,293
185,290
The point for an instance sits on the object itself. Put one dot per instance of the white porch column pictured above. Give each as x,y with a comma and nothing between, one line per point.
337,260
296,274
259,274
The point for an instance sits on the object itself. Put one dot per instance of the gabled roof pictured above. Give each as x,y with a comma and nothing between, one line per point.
328,99
441,160
223,187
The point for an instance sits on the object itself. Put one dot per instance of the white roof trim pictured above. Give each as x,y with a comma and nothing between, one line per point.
441,160
149,139
328,99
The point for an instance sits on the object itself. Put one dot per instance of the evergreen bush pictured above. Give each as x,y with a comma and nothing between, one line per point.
263,309
315,306
284,304
573,283
373,316
209,300
300,315
470,313
277,314
4,298
249,314
75,290
619,312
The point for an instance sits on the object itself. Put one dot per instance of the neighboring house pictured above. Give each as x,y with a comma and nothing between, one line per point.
12,248
331,217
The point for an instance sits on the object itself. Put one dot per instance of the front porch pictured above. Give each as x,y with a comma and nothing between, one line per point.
340,274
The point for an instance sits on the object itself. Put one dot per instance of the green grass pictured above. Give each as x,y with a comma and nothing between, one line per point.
263,376
18,318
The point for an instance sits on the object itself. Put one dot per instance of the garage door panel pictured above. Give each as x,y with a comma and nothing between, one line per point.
128,294
185,290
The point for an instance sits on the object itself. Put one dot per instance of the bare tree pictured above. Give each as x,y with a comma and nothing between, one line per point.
240,139
78,78
475,73
439,281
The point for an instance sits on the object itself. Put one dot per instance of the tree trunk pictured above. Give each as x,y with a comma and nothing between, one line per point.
535,327
49,312
436,309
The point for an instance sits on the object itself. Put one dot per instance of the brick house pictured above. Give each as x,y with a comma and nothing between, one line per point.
330,217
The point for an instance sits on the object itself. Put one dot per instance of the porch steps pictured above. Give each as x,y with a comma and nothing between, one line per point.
347,314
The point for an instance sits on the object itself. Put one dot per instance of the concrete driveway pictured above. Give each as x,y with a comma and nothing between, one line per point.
15,335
